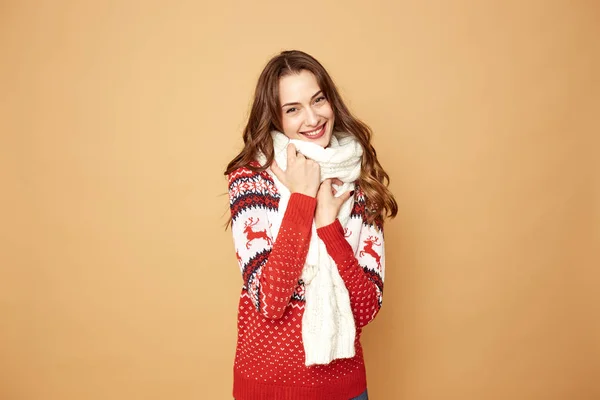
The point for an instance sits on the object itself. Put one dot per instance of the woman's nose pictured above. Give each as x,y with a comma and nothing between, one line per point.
311,117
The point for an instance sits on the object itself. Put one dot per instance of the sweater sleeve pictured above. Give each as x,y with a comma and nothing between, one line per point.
362,272
270,270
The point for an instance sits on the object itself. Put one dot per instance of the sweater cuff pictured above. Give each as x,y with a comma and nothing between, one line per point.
335,241
301,209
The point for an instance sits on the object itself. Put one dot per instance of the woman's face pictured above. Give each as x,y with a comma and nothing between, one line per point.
305,112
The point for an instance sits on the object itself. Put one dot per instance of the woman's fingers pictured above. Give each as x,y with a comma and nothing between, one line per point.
291,153
278,171
337,181
345,196
327,187
301,175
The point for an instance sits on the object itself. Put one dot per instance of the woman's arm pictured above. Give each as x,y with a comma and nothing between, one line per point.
362,272
270,270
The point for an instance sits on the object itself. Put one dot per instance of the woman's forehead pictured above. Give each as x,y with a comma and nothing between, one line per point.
298,87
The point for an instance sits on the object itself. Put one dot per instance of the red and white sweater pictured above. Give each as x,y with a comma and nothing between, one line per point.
269,360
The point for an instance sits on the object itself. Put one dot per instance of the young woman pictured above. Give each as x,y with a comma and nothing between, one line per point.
308,199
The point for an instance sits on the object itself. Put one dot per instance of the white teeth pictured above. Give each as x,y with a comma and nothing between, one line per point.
313,133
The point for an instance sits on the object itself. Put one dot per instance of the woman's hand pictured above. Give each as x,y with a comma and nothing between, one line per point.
302,174
328,206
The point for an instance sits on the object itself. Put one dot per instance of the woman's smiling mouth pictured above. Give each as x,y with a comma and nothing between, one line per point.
317,133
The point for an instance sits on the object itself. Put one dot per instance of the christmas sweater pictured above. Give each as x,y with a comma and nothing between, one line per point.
269,358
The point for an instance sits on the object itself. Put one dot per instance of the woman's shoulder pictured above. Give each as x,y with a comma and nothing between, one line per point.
250,179
249,172
362,211
251,190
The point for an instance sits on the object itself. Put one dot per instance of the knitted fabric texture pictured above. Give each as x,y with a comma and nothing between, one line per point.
269,356
328,324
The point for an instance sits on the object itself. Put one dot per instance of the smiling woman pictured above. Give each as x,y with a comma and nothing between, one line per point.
307,115
308,199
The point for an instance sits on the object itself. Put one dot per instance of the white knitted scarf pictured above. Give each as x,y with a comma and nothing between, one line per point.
328,329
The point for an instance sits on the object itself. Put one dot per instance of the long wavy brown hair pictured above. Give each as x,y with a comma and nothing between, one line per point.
265,116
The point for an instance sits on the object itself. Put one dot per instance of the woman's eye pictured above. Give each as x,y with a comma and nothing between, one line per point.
290,110
319,99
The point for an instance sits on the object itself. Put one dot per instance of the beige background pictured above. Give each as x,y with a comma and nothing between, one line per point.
117,118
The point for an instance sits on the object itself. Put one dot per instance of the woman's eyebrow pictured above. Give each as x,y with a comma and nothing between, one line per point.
296,103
